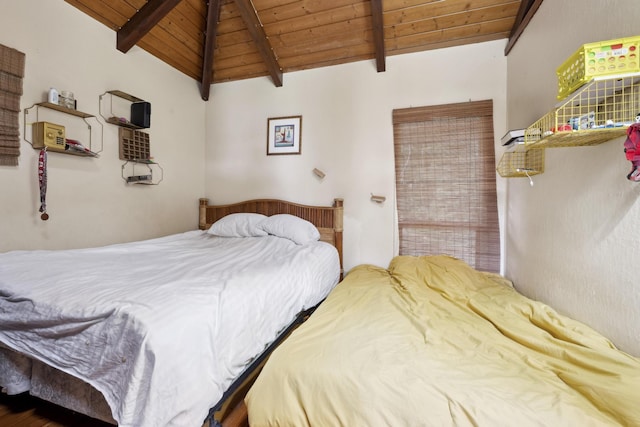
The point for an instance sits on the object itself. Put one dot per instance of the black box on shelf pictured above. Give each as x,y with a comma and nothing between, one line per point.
141,114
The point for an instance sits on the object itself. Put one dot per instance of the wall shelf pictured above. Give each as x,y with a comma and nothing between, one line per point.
142,172
86,117
599,111
114,119
134,144
521,164
579,138
65,110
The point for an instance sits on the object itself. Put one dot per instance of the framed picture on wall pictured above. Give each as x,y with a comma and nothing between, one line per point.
284,135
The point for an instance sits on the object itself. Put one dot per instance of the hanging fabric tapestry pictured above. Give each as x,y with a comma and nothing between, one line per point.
11,74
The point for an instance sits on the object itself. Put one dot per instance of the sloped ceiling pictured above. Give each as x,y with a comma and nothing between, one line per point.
222,40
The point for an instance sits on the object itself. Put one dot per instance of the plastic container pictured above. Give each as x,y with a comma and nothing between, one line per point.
619,56
53,97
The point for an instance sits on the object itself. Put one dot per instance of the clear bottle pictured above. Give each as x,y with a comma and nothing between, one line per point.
53,95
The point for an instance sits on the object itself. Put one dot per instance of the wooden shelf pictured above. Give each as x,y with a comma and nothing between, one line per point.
118,122
65,110
125,95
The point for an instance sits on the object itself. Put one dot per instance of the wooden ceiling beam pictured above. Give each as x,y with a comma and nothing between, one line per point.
256,29
378,34
142,22
527,9
213,17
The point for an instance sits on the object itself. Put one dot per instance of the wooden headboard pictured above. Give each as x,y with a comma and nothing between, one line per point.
328,219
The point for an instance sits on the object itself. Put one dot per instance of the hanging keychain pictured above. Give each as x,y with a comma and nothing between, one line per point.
42,180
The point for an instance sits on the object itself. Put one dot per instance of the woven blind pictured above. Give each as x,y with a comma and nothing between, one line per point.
11,74
446,182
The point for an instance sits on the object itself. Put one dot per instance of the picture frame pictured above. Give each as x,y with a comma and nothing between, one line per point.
284,135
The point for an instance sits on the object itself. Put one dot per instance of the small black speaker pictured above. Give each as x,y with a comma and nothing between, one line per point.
141,114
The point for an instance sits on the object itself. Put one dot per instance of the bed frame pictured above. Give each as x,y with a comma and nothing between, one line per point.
230,409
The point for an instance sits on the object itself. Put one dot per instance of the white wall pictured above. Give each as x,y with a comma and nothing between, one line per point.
88,201
346,132
573,238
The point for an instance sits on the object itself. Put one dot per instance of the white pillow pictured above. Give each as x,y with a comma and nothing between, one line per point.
290,227
238,225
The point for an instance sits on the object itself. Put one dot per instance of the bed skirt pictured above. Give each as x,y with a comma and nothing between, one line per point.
20,374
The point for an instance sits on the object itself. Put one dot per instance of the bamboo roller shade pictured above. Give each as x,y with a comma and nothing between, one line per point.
11,74
446,182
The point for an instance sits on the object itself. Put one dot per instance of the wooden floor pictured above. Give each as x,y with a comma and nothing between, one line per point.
24,410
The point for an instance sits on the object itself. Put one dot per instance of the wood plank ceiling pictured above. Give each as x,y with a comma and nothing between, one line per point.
223,40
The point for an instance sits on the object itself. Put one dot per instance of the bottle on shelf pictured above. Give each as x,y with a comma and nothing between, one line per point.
53,96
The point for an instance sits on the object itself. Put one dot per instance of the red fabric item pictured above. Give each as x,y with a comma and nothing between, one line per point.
632,143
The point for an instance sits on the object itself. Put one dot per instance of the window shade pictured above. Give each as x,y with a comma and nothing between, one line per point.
446,182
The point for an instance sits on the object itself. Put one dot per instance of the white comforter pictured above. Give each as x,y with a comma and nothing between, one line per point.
160,327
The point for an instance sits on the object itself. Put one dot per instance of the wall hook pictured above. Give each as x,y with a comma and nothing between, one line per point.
317,172
526,172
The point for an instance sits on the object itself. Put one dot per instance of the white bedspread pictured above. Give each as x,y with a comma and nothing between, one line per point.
163,326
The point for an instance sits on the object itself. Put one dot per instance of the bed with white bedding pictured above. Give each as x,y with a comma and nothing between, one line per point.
162,327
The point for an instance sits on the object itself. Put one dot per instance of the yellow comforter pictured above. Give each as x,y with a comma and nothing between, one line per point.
432,342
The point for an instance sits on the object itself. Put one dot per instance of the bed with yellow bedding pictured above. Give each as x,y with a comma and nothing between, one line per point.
432,342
